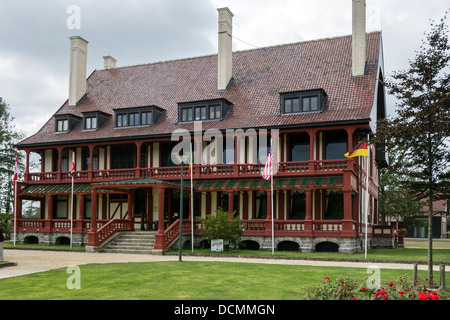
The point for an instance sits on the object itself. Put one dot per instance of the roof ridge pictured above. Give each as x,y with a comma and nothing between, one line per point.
237,51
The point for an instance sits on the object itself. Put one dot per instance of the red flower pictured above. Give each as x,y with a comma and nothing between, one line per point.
327,278
363,288
383,291
401,293
354,298
385,298
391,284
436,297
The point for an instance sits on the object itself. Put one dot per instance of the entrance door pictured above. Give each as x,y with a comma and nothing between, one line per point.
140,198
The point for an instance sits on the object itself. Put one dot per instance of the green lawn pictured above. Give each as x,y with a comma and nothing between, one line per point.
183,281
397,254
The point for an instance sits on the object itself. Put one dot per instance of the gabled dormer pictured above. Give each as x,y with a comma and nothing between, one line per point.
65,123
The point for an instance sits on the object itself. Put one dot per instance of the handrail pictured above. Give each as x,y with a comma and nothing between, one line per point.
238,170
110,228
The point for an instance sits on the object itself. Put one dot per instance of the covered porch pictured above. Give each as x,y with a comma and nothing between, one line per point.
304,207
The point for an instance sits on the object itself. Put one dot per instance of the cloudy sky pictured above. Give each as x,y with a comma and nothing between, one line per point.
34,37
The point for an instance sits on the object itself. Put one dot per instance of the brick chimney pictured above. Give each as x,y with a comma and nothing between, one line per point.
109,62
359,38
78,66
224,71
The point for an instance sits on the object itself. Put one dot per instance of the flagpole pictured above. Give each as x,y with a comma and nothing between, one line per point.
15,211
71,215
191,171
71,201
271,192
367,194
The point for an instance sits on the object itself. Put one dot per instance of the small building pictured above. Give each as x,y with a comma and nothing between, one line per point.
315,100
418,227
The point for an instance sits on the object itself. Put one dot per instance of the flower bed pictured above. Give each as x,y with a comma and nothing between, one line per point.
344,288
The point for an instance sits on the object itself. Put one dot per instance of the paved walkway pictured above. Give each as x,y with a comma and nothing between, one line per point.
32,261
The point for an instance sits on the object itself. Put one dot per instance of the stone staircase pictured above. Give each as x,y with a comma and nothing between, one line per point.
137,242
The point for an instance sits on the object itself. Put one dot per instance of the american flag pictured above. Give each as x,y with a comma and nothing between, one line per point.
73,164
267,173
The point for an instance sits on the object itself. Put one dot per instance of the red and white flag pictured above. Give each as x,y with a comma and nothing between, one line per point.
16,171
267,173
73,164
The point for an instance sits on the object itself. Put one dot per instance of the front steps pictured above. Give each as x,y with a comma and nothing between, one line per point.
136,242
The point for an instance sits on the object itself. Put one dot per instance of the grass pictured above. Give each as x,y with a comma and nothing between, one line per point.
183,281
10,245
396,255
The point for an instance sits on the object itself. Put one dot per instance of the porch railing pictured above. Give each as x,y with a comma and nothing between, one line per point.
247,170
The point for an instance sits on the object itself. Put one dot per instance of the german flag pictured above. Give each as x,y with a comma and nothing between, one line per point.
359,151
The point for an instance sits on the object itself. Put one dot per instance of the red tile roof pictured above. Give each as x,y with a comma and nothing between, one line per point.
260,75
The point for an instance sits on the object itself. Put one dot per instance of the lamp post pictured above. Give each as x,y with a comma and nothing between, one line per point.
182,159
180,244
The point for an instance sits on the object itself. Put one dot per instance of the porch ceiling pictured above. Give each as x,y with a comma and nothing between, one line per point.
256,184
56,189
199,185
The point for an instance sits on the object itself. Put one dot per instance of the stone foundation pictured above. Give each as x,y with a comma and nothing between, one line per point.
50,238
345,245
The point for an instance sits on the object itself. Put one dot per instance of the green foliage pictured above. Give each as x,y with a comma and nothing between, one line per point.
344,288
5,219
222,226
396,201
422,125
8,137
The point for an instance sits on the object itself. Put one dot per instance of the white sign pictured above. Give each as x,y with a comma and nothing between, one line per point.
217,245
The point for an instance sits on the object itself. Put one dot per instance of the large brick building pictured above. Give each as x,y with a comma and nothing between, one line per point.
315,99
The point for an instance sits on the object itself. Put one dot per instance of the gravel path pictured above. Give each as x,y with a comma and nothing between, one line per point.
32,261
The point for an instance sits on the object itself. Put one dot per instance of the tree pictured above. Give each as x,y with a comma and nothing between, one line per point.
8,137
396,201
422,126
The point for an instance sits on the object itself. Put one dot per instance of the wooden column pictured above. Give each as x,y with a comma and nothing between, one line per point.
130,214
92,235
82,205
308,216
230,202
150,208
159,237
347,222
245,205
161,192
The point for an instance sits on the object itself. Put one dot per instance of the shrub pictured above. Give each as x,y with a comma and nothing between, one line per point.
344,288
222,226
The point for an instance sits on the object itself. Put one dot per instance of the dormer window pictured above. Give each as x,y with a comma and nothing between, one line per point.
62,125
90,123
303,101
204,110
94,120
139,116
65,122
